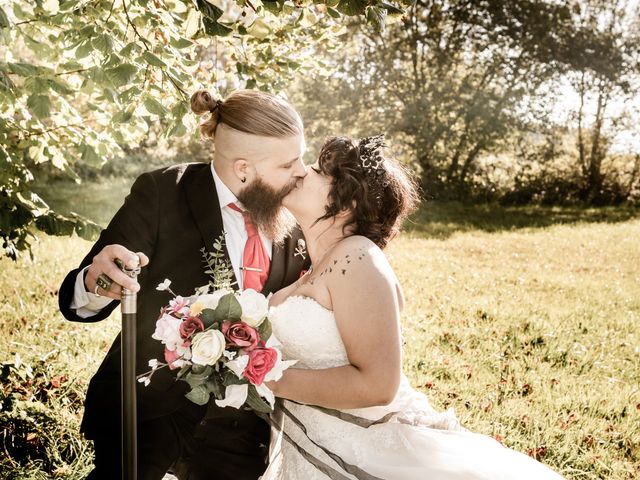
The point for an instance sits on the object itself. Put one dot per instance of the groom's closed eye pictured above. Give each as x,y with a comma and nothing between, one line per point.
290,163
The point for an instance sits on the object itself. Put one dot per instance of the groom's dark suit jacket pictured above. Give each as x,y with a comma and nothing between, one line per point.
169,215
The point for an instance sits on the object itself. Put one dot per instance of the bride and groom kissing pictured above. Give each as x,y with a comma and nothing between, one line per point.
345,411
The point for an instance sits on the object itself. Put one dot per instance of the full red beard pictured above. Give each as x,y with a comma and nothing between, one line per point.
264,205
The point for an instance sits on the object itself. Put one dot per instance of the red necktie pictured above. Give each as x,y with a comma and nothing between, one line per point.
255,260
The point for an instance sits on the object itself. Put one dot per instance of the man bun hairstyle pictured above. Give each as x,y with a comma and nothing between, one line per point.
249,111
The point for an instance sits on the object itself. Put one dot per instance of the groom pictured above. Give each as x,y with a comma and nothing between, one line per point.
167,218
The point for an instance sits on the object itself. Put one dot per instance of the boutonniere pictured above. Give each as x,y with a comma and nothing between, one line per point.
301,249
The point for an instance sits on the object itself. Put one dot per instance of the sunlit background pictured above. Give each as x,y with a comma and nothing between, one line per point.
520,119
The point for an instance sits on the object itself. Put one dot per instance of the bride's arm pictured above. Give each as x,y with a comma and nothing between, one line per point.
365,301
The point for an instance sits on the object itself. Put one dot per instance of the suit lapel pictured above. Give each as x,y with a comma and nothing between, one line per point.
204,205
203,202
276,270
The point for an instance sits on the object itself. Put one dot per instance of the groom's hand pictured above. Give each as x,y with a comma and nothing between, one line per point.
104,263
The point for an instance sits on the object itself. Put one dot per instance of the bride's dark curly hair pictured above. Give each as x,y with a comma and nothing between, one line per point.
378,190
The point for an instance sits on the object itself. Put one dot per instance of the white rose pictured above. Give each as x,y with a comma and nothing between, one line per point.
207,347
254,307
211,300
168,331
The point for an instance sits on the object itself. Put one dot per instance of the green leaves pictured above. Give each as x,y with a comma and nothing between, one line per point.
228,308
153,106
40,105
153,60
87,79
4,20
122,74
103,43
265,330
352,7
89,155
199,395
22,69
256,402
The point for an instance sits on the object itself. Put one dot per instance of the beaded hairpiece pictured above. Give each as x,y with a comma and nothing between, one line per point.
371,159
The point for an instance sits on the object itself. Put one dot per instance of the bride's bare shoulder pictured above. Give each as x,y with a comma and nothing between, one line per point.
359,257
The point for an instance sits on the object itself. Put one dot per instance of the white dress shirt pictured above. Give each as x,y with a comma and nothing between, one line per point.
87,304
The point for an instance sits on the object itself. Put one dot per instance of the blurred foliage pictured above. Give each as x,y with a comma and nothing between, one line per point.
457,84
81,80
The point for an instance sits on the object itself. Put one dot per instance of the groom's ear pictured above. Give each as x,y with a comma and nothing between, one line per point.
241,168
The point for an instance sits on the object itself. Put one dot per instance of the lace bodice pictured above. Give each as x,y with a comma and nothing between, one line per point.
308,333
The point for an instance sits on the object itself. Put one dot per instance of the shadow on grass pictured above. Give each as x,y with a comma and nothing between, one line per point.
443,219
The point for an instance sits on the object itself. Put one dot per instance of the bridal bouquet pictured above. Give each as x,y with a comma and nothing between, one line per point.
222,343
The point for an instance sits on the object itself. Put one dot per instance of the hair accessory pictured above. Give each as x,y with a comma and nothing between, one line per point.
216,106
369,149
371,159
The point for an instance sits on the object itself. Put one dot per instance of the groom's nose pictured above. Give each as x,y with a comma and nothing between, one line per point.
300,169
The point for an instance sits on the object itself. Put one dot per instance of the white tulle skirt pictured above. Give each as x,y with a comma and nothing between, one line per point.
406,440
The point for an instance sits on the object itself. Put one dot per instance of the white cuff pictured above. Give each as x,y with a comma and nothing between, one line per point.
87,304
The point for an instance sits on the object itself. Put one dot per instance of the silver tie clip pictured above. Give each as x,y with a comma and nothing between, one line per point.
251,269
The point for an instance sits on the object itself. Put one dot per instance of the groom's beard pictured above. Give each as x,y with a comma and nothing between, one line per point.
264,204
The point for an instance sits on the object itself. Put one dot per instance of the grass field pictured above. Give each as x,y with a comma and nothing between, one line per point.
526,321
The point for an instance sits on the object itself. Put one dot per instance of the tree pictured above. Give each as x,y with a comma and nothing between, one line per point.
81,79
609,70
454,79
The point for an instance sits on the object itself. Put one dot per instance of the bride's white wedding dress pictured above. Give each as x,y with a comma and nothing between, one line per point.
405,440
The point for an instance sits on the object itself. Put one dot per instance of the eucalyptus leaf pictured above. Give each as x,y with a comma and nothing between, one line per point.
195,379
199,395
265,330
228,308
208,316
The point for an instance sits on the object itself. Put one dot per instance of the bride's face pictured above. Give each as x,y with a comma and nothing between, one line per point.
308,200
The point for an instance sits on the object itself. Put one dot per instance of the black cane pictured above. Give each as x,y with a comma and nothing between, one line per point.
128,377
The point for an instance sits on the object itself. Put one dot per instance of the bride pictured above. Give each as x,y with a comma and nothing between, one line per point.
346,411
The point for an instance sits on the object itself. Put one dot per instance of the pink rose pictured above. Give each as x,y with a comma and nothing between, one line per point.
239,334
172,358
261,361
190,326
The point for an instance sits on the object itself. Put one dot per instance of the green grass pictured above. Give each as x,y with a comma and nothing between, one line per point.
95,201
523,320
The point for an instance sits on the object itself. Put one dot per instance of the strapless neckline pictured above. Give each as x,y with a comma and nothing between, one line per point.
308,332
302,297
